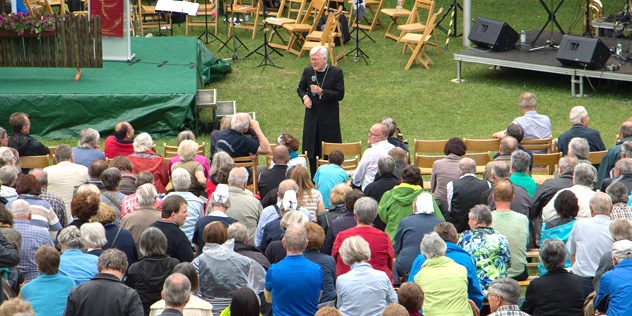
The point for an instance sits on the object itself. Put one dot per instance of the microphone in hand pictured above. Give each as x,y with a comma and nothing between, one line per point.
313,82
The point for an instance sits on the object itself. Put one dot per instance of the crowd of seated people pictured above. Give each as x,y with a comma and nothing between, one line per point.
125,231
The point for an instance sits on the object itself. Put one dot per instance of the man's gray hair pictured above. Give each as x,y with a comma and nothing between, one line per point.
88,138
176,289
152,243
624,165
240,122
43,179
93,235
295,238
577,113
507,288
567,165
238,231
20,208
621,229
553,254
508,145
6,155
365,210
386,165
467,165
579,148
626,147
181,180
146,194
8,175
601,203
143,142
112,259
527,100
238,177
501,170
321,50
481,214
63,152
520,161
432,246
618,193
187,150
111,178
585,174
71,238
390,123
355,249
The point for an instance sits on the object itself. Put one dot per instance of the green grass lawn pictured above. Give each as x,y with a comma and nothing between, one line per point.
425,104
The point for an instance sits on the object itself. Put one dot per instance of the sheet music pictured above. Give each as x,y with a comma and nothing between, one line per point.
190,8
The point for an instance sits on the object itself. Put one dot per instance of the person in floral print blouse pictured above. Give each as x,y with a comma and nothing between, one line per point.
488,248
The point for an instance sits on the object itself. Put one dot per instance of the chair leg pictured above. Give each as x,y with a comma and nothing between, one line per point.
436,41
254,27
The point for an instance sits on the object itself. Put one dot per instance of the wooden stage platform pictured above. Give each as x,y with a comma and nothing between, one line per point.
543,60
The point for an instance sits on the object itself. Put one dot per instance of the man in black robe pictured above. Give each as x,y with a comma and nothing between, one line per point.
320,89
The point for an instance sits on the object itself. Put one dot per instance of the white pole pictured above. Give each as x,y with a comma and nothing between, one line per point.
467,22
14,7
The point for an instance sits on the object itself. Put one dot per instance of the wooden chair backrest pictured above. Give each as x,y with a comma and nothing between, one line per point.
31,162
537,144
288,6
478,145
330,28
429,146
430,25
423,5
316,8
172,151
481,158
595,157
348,149
248,162
548,160
425,161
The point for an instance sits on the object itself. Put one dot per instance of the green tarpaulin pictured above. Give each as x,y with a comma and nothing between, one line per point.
158,100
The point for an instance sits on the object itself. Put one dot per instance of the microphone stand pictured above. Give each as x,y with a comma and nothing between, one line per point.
359,53
266,46
206,32
234,37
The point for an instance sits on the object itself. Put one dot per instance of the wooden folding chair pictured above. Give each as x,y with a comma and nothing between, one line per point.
34,8
326,38
148,17
429,146
595,157
53,3
316,8
417,43
239,8
276,23
478,145
32,162
370,5
425,162
172,151
481,160
537,144
549,161
414,23
348,149
207,7
337,33
396,20
248,162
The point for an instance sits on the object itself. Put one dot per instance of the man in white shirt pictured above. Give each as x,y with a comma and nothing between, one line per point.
378,148
535,125
65,175
584,178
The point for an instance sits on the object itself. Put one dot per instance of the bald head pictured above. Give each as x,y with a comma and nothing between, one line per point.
378,133
281,155
124,131
625,130
508,145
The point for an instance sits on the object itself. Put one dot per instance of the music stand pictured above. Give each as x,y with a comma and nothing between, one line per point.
233,36
171,6
359,53
266,46
550,19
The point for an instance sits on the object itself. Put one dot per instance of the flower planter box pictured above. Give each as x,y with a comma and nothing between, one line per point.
12,34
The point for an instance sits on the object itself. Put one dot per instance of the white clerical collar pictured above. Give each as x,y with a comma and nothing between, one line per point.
324,68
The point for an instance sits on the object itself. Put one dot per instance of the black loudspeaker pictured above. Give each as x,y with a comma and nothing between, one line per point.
492,34
584,52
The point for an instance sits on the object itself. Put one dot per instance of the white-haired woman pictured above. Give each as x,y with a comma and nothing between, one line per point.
363,290
74,263
188,135
144,158
87,149
94,238
187,151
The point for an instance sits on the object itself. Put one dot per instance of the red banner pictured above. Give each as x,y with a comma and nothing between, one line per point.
111,13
